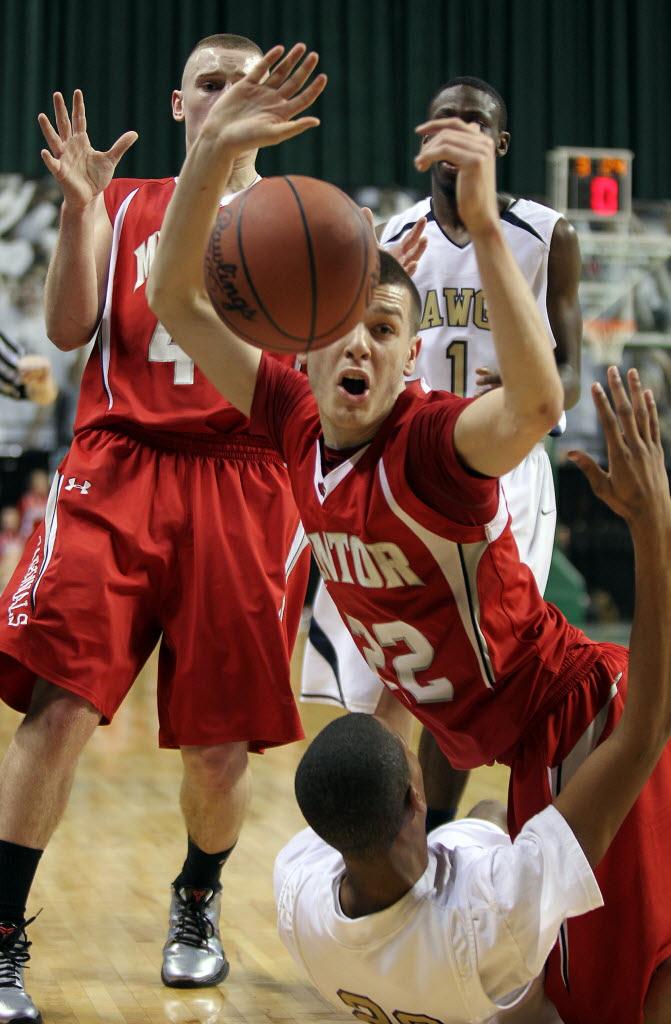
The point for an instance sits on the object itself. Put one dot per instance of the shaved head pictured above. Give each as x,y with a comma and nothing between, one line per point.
224,41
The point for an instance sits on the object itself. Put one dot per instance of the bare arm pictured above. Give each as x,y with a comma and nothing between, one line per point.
495,433
563,307
77,273
251,114
603,790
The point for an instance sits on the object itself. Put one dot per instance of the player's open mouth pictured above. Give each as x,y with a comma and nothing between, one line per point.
354,384
449,168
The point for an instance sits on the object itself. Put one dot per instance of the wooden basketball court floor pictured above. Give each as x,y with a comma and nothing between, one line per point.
104,885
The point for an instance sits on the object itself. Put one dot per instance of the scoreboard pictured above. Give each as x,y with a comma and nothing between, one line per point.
590,184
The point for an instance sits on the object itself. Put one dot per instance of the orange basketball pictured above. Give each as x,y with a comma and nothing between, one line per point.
291,264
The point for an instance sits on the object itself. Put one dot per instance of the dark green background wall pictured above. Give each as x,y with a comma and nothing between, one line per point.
574,72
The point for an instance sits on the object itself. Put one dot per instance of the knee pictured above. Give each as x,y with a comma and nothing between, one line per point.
218,767
657,1008
59,721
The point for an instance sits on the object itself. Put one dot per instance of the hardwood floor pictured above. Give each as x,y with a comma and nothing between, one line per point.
104,886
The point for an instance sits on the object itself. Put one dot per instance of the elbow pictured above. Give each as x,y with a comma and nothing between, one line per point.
168,302
66,341
549,409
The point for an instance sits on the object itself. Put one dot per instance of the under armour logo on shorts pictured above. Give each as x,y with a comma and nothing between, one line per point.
72,485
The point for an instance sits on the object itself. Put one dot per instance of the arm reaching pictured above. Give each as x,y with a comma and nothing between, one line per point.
78,269
602,792
563,307
495,433
253,113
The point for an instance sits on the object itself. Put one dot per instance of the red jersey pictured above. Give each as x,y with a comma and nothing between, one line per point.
137,376
441,608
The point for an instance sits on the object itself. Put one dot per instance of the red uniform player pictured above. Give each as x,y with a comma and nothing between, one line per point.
398,490
156,529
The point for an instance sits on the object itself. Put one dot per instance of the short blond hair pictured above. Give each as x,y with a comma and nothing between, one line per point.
227,41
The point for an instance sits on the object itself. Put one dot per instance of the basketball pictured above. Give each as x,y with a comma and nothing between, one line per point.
291,264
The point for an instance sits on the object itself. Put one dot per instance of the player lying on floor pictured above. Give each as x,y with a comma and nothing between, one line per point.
457,930
398,491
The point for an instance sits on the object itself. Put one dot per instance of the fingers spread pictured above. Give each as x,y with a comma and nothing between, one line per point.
283,70
307,97
121,146
52,165
623,408
62,117
651,405
297,80
78,112
596,477
51,137
639,405
263,65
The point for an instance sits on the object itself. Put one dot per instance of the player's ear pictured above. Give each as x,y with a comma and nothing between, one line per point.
503,143
177,103
411,358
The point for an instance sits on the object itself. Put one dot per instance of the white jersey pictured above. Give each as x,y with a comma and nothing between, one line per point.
466,942
455,330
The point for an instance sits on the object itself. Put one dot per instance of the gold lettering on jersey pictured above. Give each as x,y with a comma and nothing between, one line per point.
144,257
364,1008
414,1018
346,559
323,557
431,316
340,541
367,1010
462,306
458,302
480,318
365,569
393,565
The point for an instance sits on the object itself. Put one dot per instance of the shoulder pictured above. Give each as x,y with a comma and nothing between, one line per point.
401,223
472,833
305,856
533,218
120,189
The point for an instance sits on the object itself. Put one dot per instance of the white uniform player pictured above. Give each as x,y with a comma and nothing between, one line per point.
456,340
463,945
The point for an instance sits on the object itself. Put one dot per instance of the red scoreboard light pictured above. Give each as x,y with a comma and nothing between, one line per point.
591,184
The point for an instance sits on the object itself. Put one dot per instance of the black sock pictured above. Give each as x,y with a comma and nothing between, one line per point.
436,816
202,870
18,865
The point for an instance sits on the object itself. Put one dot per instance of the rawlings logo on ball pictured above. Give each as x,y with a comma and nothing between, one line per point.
225,274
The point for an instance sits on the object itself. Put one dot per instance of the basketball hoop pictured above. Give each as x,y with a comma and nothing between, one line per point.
608,336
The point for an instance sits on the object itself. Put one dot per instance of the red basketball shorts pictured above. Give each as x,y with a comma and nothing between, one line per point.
139,544
600,969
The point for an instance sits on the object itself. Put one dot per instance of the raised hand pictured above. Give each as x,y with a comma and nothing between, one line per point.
635,485
82,171
411,248
261,109
487,379
473,155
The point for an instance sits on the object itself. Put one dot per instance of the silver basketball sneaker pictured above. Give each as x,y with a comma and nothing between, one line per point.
16,1006
193,956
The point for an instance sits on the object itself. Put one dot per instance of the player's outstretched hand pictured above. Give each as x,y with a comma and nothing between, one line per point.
408,252
635,485
486,380
464,147
261,109
82,171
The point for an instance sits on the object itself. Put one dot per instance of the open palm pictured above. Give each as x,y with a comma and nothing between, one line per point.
82,171
257,112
